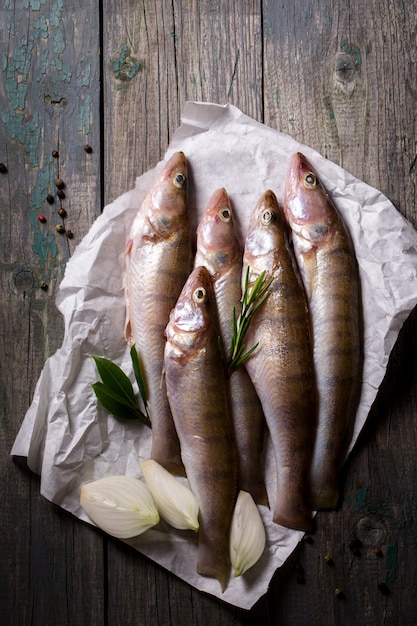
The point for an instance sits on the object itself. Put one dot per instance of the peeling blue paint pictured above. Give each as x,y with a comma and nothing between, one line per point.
360,499
40,28
125,67
56,13
84,79
44,242
353,50
35,5
84,115
10,23
392,562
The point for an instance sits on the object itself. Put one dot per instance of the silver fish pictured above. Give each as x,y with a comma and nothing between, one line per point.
281,366
330,273
158,258
197,394
219,250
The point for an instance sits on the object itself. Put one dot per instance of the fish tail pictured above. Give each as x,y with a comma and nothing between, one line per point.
291,507
324,486
213,563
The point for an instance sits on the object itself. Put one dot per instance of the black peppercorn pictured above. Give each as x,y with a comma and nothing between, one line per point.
59,183
69,234
60,194
88,148
55,154
3,168
43,285
50,198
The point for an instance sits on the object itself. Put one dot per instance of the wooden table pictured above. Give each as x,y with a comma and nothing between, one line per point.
340,77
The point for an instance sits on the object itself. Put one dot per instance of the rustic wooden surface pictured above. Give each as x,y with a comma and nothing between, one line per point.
338,76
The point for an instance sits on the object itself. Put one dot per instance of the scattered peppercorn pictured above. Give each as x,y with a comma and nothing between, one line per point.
43,285
88,148
328,559
383,588
55,154
339,593
59,183
42,218
50,199
308,538
62,212
59,228
60,194
378,552
69,234
3,168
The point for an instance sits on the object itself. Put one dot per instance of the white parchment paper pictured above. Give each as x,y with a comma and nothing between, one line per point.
68,439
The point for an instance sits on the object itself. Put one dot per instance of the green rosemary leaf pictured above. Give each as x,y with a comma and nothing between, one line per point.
240,359
252,299
140,379
114,403
116,380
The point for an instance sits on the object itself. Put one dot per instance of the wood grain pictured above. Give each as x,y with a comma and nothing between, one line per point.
340,77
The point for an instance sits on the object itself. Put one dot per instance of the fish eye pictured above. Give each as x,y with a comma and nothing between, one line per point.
199,295
268,217
179,180
310,180
225,215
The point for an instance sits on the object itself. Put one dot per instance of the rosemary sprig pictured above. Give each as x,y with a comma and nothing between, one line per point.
116,393
252,299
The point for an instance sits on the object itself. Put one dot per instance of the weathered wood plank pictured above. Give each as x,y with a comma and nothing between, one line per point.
353,101
49,101
340,78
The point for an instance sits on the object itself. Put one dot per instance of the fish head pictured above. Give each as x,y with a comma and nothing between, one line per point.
307,203
191,320
166,206
266,235
217,244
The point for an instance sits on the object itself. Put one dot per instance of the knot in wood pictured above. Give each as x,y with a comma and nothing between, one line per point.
24,280
345,68
125,67
371,532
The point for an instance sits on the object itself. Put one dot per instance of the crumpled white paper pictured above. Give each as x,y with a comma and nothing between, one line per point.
68,439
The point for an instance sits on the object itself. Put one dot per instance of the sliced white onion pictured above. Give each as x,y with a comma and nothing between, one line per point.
247,534
122,506
176,503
